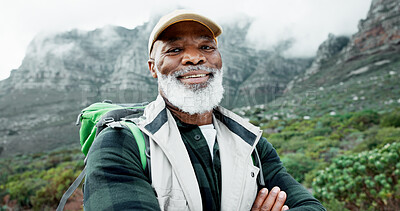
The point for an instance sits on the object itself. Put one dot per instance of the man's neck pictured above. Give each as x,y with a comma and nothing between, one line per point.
194,119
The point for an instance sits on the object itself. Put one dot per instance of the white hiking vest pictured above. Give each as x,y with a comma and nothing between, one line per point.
172,173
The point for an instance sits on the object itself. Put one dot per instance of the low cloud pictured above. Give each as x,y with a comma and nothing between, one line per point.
305,23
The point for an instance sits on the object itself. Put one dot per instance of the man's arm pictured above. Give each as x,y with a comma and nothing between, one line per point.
115,179
298,198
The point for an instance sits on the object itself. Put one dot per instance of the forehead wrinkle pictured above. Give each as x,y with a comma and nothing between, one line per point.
201,37
173,39
205,37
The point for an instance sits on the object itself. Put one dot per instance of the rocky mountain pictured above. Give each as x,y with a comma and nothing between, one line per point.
350,74
329,48
64,72
379,32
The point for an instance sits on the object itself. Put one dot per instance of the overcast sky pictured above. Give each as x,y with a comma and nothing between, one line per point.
307,22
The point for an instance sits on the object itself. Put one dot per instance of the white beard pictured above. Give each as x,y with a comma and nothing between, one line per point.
192,99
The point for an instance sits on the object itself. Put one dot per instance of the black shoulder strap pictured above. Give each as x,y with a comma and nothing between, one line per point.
71,190
147,170
115,116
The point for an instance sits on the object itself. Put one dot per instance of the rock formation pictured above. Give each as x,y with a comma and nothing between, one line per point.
380,31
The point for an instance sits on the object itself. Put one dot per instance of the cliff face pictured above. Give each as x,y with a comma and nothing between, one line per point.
60,61
378,34
328,49
380,31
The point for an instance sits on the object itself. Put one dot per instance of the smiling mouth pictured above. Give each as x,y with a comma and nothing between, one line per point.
194,76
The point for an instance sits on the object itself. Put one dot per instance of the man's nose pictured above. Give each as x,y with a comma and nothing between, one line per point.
193,57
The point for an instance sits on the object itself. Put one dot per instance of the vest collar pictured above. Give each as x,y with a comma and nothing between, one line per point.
156,116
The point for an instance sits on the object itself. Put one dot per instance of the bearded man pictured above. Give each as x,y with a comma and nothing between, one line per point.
203,157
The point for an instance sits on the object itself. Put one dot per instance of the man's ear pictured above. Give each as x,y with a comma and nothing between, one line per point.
152,67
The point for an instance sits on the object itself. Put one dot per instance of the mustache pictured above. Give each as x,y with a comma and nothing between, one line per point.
194,68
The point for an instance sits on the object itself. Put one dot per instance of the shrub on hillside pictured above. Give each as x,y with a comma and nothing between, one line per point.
42,189
301,125
319,132
378,137
391,119
37,181
58,180
298,165
363,120
275,124
367,180
23,186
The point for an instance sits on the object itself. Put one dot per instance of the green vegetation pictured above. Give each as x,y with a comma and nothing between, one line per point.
368,180
341,157
38,181
350,161
391,119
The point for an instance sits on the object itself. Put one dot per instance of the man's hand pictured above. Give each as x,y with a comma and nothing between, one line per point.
274,201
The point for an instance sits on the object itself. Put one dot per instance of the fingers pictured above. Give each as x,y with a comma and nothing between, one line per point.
280,200
273,201
262,195
270,201
285,207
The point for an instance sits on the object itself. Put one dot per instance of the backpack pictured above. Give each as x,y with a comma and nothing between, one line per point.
96,118
99,116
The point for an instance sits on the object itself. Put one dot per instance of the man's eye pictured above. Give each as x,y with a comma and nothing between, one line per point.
207,48
174,50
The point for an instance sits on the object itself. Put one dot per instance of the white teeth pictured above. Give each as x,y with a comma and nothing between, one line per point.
194,76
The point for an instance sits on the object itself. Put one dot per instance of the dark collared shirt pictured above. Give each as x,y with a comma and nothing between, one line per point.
207,170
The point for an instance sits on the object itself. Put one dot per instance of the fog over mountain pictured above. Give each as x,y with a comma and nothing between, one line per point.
305,23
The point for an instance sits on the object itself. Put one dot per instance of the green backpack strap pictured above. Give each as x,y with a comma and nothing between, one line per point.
139,140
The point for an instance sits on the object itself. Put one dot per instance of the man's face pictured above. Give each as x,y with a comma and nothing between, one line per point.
188,66
185,44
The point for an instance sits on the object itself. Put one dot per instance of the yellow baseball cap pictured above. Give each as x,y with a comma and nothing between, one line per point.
179,16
